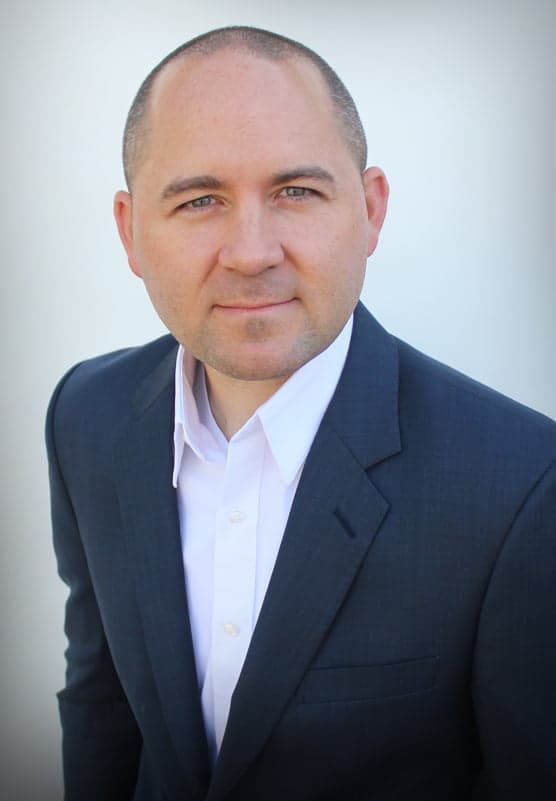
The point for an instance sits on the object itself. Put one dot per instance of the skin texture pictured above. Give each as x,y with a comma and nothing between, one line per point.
249,221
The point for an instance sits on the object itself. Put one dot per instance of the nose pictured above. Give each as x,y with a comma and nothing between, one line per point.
251,244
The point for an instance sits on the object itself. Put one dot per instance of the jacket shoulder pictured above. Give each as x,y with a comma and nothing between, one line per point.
102,389
444,403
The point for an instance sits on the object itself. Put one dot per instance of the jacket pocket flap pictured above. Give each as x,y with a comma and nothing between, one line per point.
366,682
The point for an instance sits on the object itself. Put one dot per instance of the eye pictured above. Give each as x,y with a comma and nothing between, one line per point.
297,191
199,202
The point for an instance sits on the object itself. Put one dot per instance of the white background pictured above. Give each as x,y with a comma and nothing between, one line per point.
458,102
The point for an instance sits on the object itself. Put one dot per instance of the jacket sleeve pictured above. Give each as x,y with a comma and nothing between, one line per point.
101,743
514,687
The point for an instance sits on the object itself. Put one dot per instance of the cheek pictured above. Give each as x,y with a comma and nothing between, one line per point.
161,264
340,264
168,286
173,257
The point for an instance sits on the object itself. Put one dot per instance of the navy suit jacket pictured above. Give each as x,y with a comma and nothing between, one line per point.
406,647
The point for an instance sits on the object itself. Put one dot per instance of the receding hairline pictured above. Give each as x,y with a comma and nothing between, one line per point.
259,43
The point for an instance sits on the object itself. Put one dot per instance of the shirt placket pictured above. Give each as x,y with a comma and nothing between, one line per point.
235,552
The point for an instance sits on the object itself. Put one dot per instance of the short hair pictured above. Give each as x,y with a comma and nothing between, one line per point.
260,42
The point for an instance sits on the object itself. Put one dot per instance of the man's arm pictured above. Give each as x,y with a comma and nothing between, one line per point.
101,740
514,686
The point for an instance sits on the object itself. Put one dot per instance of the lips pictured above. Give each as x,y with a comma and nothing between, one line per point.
251,305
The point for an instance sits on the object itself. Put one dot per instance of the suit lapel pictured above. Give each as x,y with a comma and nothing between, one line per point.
149,511
334,519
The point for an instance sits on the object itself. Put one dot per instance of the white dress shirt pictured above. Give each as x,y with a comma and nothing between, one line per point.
234,499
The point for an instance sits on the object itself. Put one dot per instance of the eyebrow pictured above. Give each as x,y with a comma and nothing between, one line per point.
311,171
187,184
202,182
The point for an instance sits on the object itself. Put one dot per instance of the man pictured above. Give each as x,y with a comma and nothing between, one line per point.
305,561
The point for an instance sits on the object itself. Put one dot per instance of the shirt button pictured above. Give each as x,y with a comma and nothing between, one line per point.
231,629
236,516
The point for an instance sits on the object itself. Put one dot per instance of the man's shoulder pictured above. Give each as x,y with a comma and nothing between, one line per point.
443,402
124,367
105,386
430,392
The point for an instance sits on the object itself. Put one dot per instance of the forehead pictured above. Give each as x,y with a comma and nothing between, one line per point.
237,78
244,104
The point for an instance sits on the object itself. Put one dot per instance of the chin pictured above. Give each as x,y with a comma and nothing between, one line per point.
262,367
274,360
258,373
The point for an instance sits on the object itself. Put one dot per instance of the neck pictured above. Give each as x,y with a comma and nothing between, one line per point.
233,401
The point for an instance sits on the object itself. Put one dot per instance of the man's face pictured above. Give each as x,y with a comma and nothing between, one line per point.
249,221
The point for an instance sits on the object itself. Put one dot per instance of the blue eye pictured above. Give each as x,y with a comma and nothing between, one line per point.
199,202
296,191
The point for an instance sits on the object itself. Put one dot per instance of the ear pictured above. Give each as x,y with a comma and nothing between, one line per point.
376,191
124,221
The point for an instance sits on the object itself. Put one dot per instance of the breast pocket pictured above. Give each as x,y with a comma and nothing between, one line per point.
367,682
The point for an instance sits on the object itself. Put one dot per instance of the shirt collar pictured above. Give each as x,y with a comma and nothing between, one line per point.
192,416
289,419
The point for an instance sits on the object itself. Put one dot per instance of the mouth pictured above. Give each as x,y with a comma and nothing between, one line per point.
250,307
